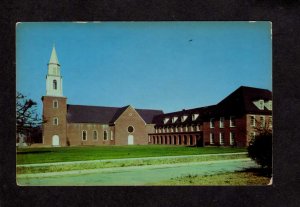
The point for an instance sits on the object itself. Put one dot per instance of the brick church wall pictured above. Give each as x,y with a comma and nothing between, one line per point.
49,112
130,118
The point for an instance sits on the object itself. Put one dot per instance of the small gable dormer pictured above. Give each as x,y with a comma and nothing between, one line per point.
166,120
195,116
183,118
174,119
260,104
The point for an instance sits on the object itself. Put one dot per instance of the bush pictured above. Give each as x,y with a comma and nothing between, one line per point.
260,149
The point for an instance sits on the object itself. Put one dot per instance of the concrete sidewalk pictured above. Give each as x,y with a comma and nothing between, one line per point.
127,159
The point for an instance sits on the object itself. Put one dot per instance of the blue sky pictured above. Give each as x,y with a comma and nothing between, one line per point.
156,65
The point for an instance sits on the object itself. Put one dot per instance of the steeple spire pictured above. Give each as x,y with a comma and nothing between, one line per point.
53,58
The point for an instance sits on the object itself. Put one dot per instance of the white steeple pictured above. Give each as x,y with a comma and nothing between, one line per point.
53,58
53,78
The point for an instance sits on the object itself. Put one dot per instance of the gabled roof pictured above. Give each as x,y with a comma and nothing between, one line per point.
237,103
103,114
241,101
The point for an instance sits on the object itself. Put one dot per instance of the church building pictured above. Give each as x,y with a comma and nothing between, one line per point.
73,125
231,122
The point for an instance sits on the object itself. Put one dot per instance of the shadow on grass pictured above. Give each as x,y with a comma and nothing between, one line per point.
34,152
264,172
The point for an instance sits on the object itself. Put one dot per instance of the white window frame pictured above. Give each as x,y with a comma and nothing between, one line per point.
55,121
221,138
212,123
232,140
222,120
86,135
254,120
96,135
55,102
252,134
231,121
211,138
262,120
270,121
111,135
105,133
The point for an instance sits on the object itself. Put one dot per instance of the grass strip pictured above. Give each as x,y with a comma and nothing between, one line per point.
122,163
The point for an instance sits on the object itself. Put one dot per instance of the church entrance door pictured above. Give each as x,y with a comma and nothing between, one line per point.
130,139
55,140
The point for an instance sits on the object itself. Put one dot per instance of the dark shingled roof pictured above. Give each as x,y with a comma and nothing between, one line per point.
103,114
237,103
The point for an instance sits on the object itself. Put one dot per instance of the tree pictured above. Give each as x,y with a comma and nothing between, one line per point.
260,147
26,115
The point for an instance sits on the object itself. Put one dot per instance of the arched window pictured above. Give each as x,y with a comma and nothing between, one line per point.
95,135
105,135
54,84
84,135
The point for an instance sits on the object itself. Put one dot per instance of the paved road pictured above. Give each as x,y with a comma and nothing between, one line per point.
136,175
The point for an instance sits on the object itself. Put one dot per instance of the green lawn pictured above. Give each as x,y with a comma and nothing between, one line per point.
63,154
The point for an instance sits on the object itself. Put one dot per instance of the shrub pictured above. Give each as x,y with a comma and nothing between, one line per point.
260,149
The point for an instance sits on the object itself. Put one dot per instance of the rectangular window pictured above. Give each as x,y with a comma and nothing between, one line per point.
270,121
221,122
186,128
262,121
252,135
212,124
252,120
111,135
232,121
95,135
84,135
55,121
232,138
221,136
211,138
55,104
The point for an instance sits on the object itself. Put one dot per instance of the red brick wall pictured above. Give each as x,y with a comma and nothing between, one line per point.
74,134
130,118
239,130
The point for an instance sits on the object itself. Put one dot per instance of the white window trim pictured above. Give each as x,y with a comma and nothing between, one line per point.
270,121
211,140
55,101
231,139
111,135
86,135
105,132
222,120
221,143
231,122
253,119
264,121
212,123
96,134
55,124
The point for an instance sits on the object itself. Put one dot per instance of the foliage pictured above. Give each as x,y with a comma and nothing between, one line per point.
27,118
260,149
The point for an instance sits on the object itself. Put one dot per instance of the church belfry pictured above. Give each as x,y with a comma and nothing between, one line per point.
54,79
